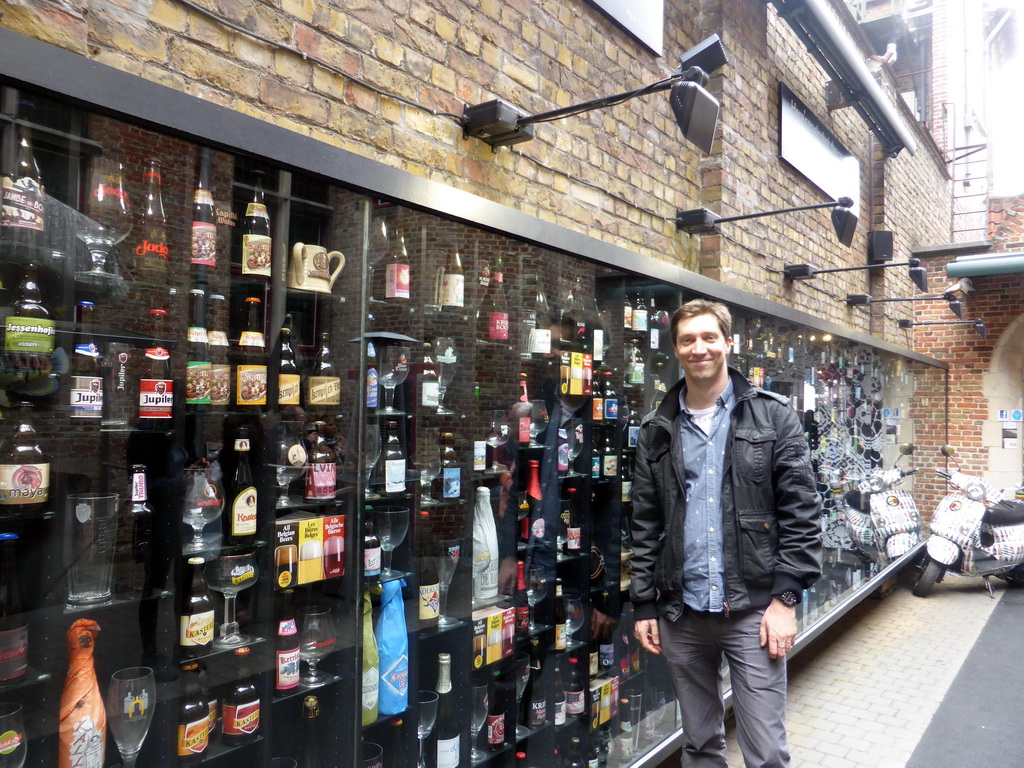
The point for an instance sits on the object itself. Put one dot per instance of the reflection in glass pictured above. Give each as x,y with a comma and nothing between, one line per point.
447,360
427,701
446,565
109,220
316,640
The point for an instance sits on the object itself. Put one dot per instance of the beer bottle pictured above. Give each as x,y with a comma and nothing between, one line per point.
256,242
394,460
198,373
609,456
449,481
370,671
251,374
152,256
220,370
193,737
535,700
13,619
536,340
627,312
452,282
396,269
323,387
23,200
29,331
241,520
24,470
558,697
561,636
141,514
322,469
574,528
496,715
492,314
204,217
575,689
448,728
520,600
86,393
429,578
156,388
241,707
286,645
309,750
640,315
196,613
429,384
371,555
289,388
611,398
372,378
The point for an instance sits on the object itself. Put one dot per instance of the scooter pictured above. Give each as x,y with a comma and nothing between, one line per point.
889,520
975,532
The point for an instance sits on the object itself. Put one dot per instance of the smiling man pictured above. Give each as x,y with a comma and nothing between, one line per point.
726,535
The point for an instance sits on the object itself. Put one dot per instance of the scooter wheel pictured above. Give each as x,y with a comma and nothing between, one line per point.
932,573
1015,578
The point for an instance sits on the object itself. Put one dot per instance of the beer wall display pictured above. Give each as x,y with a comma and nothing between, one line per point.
287,460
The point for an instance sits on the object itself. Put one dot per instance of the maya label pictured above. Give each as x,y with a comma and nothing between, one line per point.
429,601
453,290
394,476
24,483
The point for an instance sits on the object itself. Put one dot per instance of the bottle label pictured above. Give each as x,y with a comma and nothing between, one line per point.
394,476
139,487
321,480
218,339
453,293
220,384
23,206
371,561
575,702
371,388
639,319
560,712
251,339
563,452
632,434
448,749
597,410
243,513
371,689
24,483
13,653
325,390
29,334
297,455
289,387
430,392
251,385
86,397
627,490
288,667
397,286
560,637
496,729
540,341
198,382
522,618
655,338
156,398
241,719
429,601
635,372
538,713
451,479
627,317
498,326
611,408
598,345
610,466
196,630
257,210
524,429
204,243
479,455
197,335
86,743
256,253
193,737
595,466
573,539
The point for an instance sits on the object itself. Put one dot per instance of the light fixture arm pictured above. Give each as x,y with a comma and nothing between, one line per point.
814,271
844,202
979,326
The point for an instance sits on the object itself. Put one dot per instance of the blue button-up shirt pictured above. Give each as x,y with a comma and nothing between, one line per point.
704,463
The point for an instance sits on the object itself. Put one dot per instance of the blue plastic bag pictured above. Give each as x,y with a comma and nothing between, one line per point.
393,647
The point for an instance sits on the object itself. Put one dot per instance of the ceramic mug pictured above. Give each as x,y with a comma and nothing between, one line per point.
310,268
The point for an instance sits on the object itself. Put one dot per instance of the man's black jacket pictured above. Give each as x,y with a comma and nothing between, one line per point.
770,507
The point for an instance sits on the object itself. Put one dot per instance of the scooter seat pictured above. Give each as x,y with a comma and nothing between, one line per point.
1005,513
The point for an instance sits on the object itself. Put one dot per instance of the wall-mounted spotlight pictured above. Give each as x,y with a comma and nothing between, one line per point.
979,326
806,271
701,220
863,299
696,111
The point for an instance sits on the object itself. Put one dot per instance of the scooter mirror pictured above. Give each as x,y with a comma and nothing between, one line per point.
907,449
947,451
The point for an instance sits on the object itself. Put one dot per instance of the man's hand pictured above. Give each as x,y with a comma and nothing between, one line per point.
778,629
646,631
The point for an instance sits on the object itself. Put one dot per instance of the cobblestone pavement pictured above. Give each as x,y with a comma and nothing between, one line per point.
862,694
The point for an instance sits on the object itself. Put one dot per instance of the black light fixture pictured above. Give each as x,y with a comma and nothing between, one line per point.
701,220
696,111
806,271
863,299
979,326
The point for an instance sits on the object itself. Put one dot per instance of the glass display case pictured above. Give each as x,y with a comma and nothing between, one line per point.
284,458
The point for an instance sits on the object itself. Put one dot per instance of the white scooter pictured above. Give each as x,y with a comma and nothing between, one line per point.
976,532
890,520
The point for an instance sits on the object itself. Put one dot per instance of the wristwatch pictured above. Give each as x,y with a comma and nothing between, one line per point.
789,598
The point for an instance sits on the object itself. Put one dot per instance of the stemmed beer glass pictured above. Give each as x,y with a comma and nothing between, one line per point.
289,456
316,640
393,372
481,703
447,562
427,701
203,504
497,436
391,525
130,700
109,220
230,574
536,589
447,360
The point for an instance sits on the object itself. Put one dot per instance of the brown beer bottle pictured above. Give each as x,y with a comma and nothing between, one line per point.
241,712
196,618
193,737
256,243
24,470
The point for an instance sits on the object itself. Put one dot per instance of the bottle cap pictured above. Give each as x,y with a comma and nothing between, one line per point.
196,560
252,299
243,651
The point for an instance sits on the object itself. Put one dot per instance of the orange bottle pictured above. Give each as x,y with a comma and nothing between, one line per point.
83,720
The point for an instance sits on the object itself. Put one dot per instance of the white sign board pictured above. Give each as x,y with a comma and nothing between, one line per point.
643,19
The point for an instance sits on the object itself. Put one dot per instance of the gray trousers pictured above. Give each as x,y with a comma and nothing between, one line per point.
693,647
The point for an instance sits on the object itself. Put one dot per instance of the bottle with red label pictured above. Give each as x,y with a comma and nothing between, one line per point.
256,242
13,619
156,388
152,256
24,470
492,314
86,391
520,601
241,520
240,723
193,737
574,527
322,467
496,715
394,266
204,217
286,645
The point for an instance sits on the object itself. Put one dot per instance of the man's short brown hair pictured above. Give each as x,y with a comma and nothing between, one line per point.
698,307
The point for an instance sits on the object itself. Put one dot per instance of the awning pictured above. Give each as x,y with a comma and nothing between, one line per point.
976,266
816,24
